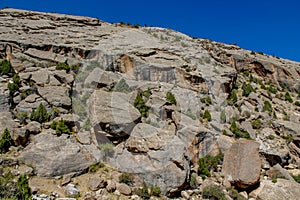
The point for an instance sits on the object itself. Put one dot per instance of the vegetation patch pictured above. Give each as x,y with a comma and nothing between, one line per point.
171,98
213,192
126,178
208,163
6,68
207,115
40,114
238,133
60,128
140,104
247,89
232,97
94,167
288,97
5,141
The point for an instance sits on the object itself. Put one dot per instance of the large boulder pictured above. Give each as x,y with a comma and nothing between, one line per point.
56,95
282,189
113,112
55,156
158,156
242,164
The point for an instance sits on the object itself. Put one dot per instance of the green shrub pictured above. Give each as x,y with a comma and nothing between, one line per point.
270,137
63,66
223,116
155,191
8,187
60,128
126,178
122,86
297,103
207,115
288,97
142,192
232,97
40,114
6,68
208,163
140,104
267,107
14,86
272,89
24,192
171,98
297,178
238,133
213,192
147,93
247,89
5,141
94,167
234,194
256,124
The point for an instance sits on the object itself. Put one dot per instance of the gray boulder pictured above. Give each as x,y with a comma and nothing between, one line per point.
56,95
282,189
54,156
113,112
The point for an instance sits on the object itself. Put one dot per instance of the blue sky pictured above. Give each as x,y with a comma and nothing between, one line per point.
269,26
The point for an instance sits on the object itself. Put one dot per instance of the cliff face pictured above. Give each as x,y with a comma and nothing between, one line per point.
148,101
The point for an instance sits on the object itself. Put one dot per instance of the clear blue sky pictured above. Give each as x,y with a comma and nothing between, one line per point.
269,26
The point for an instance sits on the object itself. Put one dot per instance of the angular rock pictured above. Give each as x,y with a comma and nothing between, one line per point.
54,156
113,112
111,186
33,127
273,147
71,189
282,189
158,157
242,164
96,183
124,189
278,172
56,95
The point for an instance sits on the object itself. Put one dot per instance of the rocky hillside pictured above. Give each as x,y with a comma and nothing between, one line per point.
92,110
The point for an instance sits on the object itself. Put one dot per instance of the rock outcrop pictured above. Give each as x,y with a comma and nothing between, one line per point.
148,102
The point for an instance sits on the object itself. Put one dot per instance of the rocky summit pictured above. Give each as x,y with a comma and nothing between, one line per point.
93,110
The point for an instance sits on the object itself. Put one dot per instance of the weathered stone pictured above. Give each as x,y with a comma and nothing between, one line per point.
41,76
278,172
113,112
34,127
55,95
96,183
84,137
282,189
111,186
54,156
124,189
273,147
71,189
101,78
242,164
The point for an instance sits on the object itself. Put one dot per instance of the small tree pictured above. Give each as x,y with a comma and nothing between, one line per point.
288,97
140,104
40,114
171,98
14,86
247,89
63,66
60,128
24,192
5,141
233,97
6,68
207,115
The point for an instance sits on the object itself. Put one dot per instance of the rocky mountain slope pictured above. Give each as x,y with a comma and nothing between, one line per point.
113,111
